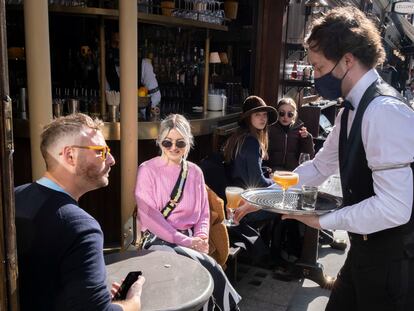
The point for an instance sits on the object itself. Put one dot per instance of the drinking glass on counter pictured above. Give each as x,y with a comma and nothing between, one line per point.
285,180
233,196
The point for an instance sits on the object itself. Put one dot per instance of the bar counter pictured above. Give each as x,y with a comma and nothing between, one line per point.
201,124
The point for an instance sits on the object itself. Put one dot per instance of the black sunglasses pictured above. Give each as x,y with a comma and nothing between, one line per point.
289,114
178,143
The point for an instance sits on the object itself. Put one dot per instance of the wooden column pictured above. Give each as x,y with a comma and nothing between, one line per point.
102,72
128,32
206,70
271,20
8,253
36,24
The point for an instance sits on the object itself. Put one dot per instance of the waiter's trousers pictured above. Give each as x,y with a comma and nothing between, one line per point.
373,278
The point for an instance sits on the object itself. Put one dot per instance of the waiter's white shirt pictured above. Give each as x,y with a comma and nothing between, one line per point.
149,79
388,137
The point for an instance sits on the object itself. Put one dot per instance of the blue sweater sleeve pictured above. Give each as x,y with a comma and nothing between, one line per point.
250,153
83,268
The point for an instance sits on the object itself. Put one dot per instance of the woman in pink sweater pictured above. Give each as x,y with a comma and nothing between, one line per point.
182,223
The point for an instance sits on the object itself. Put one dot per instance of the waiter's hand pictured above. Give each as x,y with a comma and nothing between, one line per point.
309,220
244,209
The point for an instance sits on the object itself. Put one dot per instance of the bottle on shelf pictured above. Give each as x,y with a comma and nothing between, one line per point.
306,73
294,72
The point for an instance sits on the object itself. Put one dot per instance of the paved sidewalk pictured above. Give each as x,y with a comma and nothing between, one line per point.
261,291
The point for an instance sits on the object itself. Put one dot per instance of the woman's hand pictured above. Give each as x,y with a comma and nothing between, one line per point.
200,244
243,210
303,132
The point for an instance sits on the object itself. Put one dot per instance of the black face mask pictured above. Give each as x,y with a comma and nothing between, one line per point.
328,86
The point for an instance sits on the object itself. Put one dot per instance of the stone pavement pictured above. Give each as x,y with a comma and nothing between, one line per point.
261,291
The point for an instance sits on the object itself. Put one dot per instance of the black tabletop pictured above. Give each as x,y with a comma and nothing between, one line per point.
172,282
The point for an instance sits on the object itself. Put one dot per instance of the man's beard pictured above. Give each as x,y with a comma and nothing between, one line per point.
93,175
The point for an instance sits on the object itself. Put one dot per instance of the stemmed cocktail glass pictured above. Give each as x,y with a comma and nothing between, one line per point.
285,180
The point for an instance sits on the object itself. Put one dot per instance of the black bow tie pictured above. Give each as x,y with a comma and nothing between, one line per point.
347,105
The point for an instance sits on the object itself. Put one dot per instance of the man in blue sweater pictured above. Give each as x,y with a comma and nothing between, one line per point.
61,264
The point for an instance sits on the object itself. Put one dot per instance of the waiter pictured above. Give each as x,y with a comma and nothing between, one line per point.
373,146
146,76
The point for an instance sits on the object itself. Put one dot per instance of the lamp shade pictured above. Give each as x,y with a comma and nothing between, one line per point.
214,58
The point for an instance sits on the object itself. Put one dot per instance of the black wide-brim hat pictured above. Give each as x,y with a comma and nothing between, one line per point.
254,104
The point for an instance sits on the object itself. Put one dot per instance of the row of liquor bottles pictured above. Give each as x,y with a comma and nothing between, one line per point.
173,63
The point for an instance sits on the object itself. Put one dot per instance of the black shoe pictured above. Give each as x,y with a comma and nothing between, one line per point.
285,274
338,244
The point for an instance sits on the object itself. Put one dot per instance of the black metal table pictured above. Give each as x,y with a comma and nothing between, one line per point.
172,282
329,198
308,264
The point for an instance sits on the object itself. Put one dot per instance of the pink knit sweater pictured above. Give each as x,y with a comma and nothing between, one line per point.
155,181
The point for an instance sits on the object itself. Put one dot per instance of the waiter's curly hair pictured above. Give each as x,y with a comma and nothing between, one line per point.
347,30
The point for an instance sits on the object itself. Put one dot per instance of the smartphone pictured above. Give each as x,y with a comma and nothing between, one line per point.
130,279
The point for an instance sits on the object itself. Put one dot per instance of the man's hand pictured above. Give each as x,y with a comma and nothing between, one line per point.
243,210
133,298
309,220
136,289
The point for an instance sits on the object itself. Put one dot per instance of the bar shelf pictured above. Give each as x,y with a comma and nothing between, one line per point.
154,19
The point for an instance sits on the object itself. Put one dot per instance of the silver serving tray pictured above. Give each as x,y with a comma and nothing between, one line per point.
270,199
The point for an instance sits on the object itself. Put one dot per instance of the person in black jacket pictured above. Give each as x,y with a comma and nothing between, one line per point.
288,138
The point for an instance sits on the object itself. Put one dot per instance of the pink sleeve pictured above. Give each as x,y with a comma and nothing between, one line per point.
150,216
202,227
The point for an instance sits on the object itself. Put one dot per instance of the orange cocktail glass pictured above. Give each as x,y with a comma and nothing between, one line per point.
233,196
285,180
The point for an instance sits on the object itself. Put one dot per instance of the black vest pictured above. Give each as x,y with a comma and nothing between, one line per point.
356,176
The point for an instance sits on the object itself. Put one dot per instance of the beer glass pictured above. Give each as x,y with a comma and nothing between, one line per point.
285,180
233,195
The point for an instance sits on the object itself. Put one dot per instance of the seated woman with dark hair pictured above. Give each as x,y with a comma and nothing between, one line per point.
246,149
244,153
180,224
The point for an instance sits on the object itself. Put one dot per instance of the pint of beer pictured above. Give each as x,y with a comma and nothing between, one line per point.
233,195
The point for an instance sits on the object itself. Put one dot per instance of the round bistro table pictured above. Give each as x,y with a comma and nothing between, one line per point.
172,282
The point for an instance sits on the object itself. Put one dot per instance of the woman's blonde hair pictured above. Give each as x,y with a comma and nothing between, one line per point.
290,102
181,124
